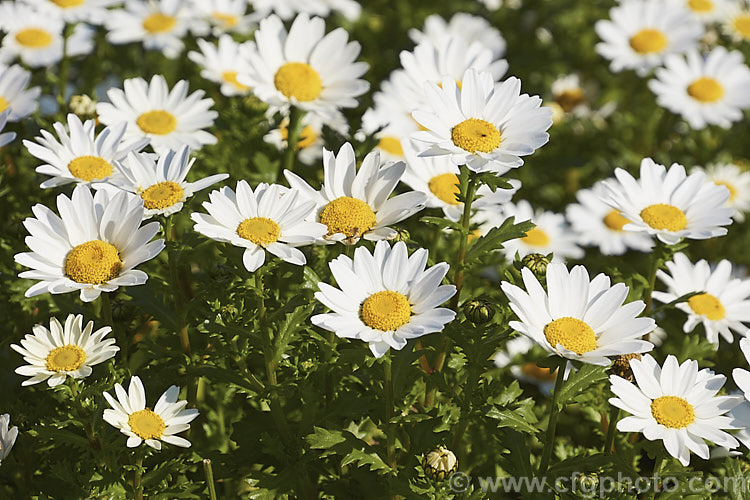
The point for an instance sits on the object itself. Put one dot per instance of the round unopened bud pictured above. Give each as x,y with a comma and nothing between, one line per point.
440,463
229,313
537,263
402,235
83,106
621,366
478,311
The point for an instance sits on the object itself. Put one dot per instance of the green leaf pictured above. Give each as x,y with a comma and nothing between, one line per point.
362,458
441,222
512,418
494,240
580,381
323,439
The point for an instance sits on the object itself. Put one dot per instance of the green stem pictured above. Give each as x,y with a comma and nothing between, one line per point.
609,442
107,309
658,464
294,130
552,424
64,65
390,431
174,279
208,471
137,486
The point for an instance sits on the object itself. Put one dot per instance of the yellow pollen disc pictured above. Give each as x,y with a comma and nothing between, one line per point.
445,187
94,262
569,99
228,20
162,195
307,136
298,80
159,23
230,77
573,334
741,25
3,104
707,305
730,187
67,358
664,217
348,216
705,89
146,424
157,122
475,135
89,168
701,5
536,237
65,4
648,41
672,411
391,145
615,221
532,370
33,37
386,311
260,230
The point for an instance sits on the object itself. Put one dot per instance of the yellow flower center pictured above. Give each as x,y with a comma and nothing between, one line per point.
348,216
672,411
707,305
307,136
3,104
67,358
162,195
227,20
89,168
260,230
386,311
159,23
475,135
648,41
445,187
66,4
741,25
730,187
536,237
664,217
701,5
298,80
94,262
615,221
573,334
569,99
230,77
532,370
34,38
391,145
146,424
157,122
705,89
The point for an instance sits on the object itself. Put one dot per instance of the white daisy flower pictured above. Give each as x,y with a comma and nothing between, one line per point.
7,436
225,16
576,318
677,404
158,24
706,11
598,224
569,94
737,21
389,119
140,423
80,156
221,64
551,233
286,9
169,118
723,305
740,375
7,137
311,143
15,94
354,204
710,90
485,126
461,25
669,203
73,11
437,178
161,183
59,352
93,246
305,67
641,32
36,37
385,298
737,181
271,218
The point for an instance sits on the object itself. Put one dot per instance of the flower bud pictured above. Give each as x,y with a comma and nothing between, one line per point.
83,106
537,263
440,463
478,311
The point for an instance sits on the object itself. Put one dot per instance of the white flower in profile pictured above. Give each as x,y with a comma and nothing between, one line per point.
483,125
577,318
723,304
286,9
161,183
73,11
706,11
385,298
740,375
58,352
169,118
15,94
93,246
355,204
7,137
226,16
80,156
133,418
736,180
677,404
471,28
7,436
221,63
669,203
